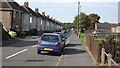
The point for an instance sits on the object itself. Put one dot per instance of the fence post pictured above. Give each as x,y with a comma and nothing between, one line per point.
102,56
109,60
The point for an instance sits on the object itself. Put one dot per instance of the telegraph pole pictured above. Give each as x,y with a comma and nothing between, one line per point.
78,16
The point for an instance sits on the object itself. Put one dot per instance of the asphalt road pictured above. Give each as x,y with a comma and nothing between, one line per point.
24,53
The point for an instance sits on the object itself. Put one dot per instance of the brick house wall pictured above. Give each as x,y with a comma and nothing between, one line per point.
38,24
6,18
33,22
17,19
26,22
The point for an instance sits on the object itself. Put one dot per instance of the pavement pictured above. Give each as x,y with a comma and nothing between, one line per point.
17,39
24,53
75,54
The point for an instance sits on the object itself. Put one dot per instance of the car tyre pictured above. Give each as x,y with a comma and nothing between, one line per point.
38,51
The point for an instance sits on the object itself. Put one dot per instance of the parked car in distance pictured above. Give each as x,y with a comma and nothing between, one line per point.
99,32
62,35
50,42
12,34
75,32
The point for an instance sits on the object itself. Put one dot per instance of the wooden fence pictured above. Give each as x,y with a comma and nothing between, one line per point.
95,49
109,59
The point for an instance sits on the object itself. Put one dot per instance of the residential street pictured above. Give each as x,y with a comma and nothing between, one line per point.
59,33
24,53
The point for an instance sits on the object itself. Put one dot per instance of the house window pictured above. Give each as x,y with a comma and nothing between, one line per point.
19,14
14,14
47,23
52,24
30,19
41,22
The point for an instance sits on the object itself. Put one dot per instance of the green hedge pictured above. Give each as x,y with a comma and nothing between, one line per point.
82,37
33,32
23,34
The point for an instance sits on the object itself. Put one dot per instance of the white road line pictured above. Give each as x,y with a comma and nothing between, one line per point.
16,53
67,42
34,46
59,60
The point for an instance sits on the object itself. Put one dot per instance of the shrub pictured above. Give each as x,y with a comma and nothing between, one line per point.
109,39
82,37
23,34
3,34
33,31
27,33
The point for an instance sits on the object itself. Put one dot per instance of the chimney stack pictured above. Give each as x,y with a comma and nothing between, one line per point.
43,13
48,16
51,17
26,4
36,10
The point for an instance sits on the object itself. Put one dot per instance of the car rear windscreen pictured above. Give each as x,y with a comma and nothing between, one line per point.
50,38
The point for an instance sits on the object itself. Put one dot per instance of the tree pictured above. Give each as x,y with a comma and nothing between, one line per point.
68,25
94,18
84,21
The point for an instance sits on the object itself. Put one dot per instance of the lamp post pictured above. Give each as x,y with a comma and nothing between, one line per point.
78,16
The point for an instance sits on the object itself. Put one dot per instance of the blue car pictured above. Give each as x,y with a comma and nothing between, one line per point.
50,42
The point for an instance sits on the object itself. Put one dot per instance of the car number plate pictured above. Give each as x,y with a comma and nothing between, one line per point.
48,49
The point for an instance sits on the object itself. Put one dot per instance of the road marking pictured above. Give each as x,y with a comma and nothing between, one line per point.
59,60
16,53
34,46
67,42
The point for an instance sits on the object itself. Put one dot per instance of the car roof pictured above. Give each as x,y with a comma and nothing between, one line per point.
50,34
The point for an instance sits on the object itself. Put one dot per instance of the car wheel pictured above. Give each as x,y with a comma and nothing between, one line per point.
38,51
62,50
60,53
12,37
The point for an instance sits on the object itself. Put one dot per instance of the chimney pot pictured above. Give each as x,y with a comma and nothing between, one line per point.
43,13
48,16
26,4
51,17
36,10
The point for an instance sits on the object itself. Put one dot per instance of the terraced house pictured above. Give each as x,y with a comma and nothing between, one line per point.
25,18
33,16
11,15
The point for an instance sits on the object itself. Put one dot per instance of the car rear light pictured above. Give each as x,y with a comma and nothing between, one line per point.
58,44
39,42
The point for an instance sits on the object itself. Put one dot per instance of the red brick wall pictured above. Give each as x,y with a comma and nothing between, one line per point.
17,20
6,18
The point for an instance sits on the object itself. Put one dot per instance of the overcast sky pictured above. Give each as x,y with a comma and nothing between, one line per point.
65,10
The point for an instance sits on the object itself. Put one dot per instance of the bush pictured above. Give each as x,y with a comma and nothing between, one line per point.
82,37
109,39
23,34
27,33
33,31
3,34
